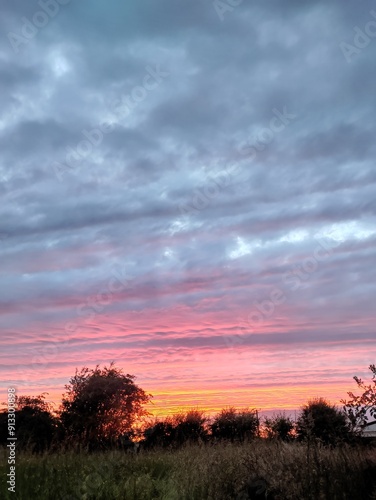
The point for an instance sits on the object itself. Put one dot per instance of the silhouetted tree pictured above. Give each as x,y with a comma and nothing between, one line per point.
101,405
177,430
235,424
159,434
279,427
359,408
319,420
36,426
189,426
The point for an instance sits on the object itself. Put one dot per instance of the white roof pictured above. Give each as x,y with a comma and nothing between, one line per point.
369,430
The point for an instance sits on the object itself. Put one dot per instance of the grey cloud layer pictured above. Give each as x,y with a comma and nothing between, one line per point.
120,205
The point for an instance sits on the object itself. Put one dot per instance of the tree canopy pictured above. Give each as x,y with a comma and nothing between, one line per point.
280,427
323,421
36,426
177,430
101,405
235,424
360,407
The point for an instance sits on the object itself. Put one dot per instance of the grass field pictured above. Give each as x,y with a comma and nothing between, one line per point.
259,469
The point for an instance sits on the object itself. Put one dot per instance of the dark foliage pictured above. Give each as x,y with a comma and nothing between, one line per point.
235,425
279,427
177,430
100,406
319,420
36,426
360,407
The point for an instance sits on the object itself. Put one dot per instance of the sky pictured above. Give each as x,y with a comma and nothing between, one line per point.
188,189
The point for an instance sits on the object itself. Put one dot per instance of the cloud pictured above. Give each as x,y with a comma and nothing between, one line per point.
257,204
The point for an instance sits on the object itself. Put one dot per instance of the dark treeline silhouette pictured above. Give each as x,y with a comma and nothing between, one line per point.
36,425
103,408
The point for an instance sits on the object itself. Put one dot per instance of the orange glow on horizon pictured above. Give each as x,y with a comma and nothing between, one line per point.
287,398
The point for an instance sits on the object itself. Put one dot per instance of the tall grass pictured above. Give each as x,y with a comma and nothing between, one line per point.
255,470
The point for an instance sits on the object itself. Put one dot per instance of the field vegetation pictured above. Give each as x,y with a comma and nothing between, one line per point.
93,448
257,469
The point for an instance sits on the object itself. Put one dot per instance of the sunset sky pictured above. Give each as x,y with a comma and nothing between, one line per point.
188,188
